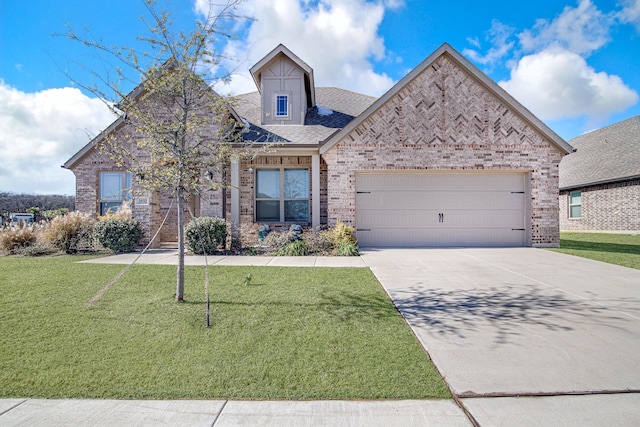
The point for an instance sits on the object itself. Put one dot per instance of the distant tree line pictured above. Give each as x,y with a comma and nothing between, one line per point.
34,203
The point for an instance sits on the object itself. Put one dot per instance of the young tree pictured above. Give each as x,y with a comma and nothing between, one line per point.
179,127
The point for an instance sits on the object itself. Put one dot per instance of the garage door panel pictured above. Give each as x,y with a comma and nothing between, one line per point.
440,237
405,219
440,199
467,209
454,182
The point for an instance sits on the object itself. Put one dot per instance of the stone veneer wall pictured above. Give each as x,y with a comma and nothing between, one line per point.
607,207
446,120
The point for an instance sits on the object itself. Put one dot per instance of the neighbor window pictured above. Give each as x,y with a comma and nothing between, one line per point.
282,105
282,195
575,204
115,188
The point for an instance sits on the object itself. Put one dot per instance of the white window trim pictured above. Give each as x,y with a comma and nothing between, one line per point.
282,198
275,105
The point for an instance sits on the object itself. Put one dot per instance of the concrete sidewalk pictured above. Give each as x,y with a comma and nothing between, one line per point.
226,413
170,257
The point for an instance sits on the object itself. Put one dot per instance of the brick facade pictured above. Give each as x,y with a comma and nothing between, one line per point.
151,215
607,207
446,120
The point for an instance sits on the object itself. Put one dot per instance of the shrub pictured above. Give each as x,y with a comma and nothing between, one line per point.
50,214
13,239
341,233
317,241
347,249
71,233
118,234
36,249
278,239
296,248
205,234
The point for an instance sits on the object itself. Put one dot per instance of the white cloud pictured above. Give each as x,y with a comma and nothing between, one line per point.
630,14
557,84
582,30
337,38
40,131
500,38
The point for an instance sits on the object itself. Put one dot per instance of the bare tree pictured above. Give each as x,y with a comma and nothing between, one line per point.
179,126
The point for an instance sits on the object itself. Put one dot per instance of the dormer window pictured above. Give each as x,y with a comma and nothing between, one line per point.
282,105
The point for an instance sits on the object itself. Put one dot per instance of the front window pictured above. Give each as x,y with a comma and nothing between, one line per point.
575,204
282,105
115,188
282,195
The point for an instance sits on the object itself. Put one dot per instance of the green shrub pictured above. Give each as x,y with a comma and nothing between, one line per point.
50,214
205,234
347,249
297,248
13,239
118,234
71,233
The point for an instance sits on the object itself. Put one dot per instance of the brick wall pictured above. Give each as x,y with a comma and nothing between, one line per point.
247,190
87,173
607,207
445,120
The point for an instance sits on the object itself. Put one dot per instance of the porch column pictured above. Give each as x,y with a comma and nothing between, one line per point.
315,190
235,194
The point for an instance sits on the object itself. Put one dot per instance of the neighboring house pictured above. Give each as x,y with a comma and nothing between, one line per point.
600,181
444,158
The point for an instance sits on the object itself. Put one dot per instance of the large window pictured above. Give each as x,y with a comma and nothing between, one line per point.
282,105
115,188
575,204
282,195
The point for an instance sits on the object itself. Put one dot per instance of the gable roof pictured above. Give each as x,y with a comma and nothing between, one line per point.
606,155
134,94
256,70
480,77
319,123
91,144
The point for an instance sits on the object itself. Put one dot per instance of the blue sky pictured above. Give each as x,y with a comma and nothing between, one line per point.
574,63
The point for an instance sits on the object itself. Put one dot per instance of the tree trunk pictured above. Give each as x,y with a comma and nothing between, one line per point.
180,275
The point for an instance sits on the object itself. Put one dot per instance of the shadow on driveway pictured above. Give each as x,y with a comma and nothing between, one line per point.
504,310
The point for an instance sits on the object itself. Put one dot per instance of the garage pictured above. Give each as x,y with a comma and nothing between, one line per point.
442,209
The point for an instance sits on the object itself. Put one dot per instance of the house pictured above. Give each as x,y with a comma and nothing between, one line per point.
445,158
600,181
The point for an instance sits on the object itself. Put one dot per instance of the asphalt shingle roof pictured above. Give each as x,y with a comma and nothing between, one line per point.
346,105
606,155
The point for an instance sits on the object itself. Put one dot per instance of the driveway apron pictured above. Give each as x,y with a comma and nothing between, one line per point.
523,321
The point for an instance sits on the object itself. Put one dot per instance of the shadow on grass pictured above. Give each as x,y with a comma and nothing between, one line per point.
600,247
503,311
344,306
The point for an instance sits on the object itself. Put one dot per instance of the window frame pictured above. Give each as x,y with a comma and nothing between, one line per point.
106,203
282,199
571,204
287,98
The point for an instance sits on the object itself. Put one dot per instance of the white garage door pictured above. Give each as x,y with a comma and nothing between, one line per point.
445,209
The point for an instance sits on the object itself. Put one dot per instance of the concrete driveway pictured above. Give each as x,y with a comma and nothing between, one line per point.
500,323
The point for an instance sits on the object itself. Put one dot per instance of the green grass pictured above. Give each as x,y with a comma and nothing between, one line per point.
620,249
292,333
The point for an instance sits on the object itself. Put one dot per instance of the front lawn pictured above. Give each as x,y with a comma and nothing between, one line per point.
621,249
291,333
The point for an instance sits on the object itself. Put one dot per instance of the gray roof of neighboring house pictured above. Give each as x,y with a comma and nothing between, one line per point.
344,105
606,155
